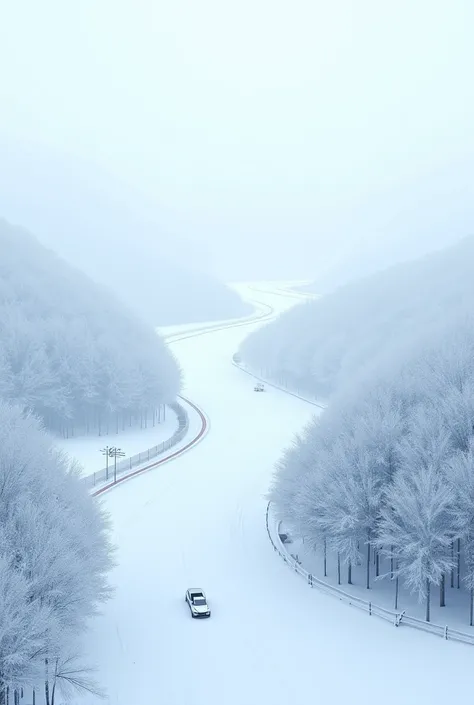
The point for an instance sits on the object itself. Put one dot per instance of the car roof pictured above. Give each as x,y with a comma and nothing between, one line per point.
196,590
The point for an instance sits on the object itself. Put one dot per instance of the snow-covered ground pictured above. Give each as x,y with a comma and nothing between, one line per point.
86,449
200,521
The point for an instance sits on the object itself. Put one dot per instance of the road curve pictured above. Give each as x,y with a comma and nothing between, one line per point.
266,313
203,429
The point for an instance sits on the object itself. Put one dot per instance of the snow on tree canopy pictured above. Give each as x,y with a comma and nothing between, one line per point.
55,551
68,350
322,345
386,471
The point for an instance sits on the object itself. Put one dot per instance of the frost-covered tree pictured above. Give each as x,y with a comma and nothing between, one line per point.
416,522
55,552
461,476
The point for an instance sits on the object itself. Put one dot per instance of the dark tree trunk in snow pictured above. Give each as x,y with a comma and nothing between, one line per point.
368,561
377,564
338,568
396,588
349,574
459,564
391,562
428,600
46,684
452,569
442,591
325,558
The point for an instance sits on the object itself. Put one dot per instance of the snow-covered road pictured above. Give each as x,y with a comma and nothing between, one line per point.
200,521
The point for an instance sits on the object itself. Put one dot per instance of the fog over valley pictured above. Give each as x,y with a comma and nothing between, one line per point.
236,352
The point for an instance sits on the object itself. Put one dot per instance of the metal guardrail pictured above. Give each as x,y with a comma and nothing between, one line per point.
276,386
104,475
396,618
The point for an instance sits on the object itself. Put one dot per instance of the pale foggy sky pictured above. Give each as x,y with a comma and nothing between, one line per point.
315,123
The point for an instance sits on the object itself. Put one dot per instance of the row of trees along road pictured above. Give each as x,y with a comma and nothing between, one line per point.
385,476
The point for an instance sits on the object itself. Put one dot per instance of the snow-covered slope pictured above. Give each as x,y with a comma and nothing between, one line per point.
328,343
200,521
113,234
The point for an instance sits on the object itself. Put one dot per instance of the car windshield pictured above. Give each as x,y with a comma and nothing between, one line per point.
199,601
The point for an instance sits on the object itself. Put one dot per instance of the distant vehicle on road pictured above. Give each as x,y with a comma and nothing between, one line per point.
259,387
196,599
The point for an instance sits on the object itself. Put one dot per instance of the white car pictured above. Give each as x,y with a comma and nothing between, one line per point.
197,602
259,387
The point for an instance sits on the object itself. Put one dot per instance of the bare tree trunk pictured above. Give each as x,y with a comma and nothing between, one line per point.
368,561
459,565
396,588
46,683
325,558
442,591
391,562
338,568
377,564
349,573
452,569
428,599
471,607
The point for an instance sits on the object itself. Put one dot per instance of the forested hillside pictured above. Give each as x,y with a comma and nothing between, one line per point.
68,349
324,344
385,476
55,554
113,235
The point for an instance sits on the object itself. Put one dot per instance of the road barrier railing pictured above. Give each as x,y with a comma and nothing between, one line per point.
108,474
397,618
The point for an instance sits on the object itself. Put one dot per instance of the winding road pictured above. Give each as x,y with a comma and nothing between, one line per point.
200,521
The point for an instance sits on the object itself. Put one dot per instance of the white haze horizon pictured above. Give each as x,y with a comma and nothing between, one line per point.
278,139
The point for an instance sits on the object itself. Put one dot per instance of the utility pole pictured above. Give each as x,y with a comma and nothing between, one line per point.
114,453
106,451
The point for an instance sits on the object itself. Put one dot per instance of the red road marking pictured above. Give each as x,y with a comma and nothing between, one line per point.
139,471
